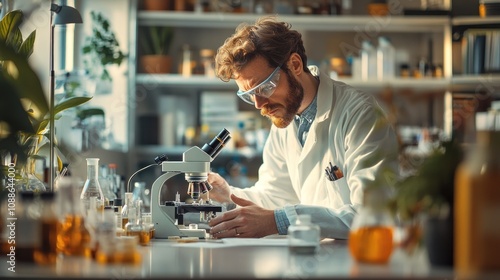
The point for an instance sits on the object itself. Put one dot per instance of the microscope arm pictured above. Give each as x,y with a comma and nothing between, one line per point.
164,224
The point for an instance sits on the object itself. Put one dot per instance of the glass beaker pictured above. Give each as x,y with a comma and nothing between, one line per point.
371,235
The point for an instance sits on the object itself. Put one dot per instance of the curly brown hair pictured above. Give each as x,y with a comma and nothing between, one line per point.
268,38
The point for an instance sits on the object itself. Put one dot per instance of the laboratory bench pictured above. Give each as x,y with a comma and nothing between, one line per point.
236,258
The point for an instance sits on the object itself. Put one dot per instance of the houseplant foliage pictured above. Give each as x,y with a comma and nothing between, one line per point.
102,48
24,111
429,194
155,43
430,190
23,105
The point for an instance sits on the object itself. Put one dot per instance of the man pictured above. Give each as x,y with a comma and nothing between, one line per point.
318,123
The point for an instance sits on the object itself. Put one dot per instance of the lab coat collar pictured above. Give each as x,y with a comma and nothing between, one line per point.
325,94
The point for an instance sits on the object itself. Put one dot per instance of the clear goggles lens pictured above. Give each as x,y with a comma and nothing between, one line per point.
264,89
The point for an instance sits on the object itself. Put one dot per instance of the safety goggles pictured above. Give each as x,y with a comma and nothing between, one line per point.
264,89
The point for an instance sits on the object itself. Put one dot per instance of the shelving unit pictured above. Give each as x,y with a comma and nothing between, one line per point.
320,33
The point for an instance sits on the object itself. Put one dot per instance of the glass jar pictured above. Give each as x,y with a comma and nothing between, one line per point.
46,252
73,238
27,227
207,62
129,197
371,235
303,236
477,206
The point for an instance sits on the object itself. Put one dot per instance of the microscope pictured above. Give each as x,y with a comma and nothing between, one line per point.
168,216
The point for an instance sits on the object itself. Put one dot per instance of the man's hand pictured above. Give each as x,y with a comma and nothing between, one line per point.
248,220
220,191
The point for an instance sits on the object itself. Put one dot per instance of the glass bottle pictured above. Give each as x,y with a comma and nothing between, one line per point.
368,61
106,236
477,202
346,7
386,63
46,252
134,227
106,187
303,236
186,67
27,227
92,188
126,250
207,61
129,197
117,206
142,193
371,235
74,237
113,179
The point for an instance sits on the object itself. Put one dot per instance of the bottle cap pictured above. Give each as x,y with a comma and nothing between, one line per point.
118,202
93,161
27,195
47,195
129,196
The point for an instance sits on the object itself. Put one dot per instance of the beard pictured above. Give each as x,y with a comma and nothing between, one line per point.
291,106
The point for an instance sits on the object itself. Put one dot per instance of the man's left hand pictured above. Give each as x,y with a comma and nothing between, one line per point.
248,220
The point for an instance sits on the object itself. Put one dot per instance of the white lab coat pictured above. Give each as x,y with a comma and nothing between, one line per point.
351,131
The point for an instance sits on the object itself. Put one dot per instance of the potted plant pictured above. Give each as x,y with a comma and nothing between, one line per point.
424,201
155,43
24,112
101,50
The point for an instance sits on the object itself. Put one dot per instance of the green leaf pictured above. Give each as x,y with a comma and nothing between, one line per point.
26,48
9,25
70,103
26,83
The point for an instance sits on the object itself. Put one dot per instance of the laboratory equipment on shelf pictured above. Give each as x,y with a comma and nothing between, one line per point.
168,216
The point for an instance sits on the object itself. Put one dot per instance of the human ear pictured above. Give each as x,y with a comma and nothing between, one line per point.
295,64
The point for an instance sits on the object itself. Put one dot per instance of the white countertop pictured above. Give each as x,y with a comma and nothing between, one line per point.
238,258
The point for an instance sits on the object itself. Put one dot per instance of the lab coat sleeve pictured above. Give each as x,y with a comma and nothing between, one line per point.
274,188
334,223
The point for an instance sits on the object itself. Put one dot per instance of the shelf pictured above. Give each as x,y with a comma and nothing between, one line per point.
475,20
200,81
484,82
400,83
179,81
425,24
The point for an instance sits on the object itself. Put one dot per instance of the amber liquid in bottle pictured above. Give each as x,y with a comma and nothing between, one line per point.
371,244
74,238
46,253
124,222
143,235
25,254
477,208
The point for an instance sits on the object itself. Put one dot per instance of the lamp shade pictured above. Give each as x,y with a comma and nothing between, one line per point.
65,14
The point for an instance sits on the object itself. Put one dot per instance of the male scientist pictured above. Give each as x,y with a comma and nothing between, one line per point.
328,141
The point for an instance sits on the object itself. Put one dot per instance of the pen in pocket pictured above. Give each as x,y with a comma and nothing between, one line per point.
333,173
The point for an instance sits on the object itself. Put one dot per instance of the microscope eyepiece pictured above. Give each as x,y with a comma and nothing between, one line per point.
213,147
161,158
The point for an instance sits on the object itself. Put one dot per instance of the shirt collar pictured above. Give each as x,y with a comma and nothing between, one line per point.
310,112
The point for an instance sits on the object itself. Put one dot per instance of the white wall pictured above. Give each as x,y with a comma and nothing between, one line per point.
115,102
